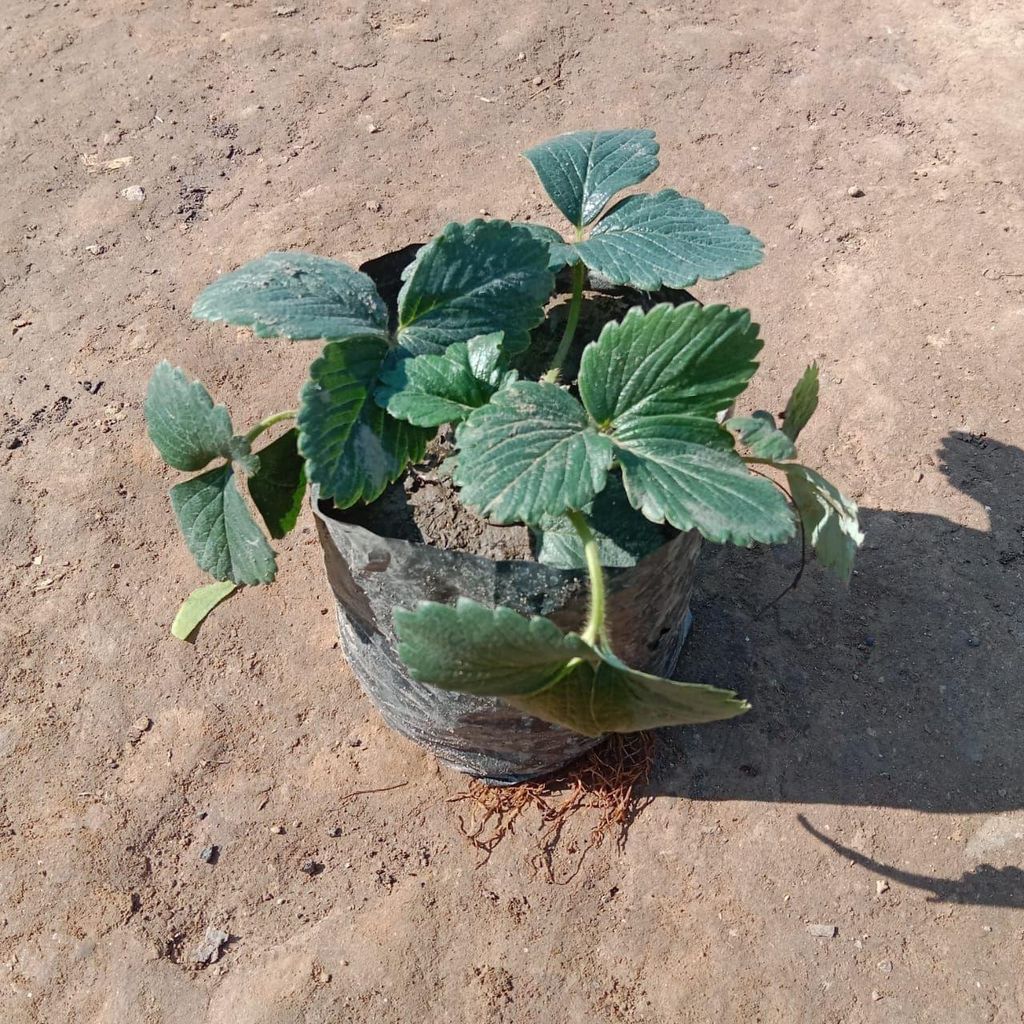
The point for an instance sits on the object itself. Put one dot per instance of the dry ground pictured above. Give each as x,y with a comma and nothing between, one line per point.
886,738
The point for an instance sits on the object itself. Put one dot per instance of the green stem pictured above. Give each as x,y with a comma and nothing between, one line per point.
266,424
595,620
579,273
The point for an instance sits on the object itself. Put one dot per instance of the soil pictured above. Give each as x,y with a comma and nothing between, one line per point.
849,851
424,507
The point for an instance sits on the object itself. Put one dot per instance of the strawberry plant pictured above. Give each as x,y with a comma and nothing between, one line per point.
642,436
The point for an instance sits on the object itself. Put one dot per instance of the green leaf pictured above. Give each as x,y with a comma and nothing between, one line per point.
198,605
762,437
829,518
682,470
295,295
687,359
184,424
429,390
473,279
560,252
624,536
353,448
553,675
279,485
219,531
532,451
667,240
613,698
802,403
474,649
581,171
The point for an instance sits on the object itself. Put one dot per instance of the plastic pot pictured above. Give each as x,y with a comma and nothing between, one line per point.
372,573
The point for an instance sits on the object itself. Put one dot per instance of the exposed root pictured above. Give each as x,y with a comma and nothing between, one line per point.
602,781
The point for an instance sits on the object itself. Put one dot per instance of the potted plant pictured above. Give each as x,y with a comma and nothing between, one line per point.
603,462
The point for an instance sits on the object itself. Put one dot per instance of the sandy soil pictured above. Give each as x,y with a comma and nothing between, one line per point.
877,786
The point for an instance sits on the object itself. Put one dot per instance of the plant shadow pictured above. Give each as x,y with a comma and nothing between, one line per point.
902,690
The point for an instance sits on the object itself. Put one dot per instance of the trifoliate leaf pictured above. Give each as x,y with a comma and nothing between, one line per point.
624,536
829,519
560,252
279,485
802,403
553,675
762,437
472,279
429,390
198,605
682,470
295,295
353,448
667,240
187,429
532,451
219,531
475,649
688,359
581,171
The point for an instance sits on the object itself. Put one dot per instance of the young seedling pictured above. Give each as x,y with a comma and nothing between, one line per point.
592,466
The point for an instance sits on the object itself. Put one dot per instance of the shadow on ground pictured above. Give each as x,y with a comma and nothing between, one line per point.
900,691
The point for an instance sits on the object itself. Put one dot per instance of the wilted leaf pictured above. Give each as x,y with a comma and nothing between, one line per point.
829,518
198,605
762,437
802,403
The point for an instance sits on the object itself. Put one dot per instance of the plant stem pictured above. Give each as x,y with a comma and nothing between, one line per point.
266,424
579,273
595,619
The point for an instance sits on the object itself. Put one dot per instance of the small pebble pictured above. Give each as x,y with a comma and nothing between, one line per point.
823,931
520,56
538,80
973,641
208,854
134,194
372,128
278,830
335,832
875,994
311,868
881,886
354,741
869,641
374,206
141,724
885,966
855,192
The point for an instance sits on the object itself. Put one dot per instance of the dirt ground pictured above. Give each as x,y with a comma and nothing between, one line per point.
878,784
